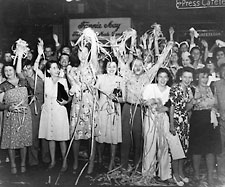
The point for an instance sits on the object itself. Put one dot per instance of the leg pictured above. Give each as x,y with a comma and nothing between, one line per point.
210,161
100,148
176,176
12,161
181,172
76,146
137,137
92,158
23,153
221,157
45,151
150,147
126,137
33,150
181,165
196,164
175,166
52,153
63,152
113,154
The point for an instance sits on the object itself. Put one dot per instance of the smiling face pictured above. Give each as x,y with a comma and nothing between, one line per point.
162,79
219,55
54,70
186,78
174,57
196,54
28,71
64,61
183,48
8,57
203,79
137,67
9,72
111,68
186,61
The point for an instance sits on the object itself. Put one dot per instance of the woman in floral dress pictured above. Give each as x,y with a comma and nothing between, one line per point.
83,110
180,96
17,129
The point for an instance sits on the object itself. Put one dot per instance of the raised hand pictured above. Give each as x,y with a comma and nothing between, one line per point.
204,43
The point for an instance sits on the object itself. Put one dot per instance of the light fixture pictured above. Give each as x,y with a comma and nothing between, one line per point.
69,1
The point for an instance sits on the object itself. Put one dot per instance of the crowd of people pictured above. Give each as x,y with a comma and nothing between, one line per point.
161,99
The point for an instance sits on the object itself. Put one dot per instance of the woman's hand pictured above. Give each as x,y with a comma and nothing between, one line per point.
63,102
112,96
172,129
12,107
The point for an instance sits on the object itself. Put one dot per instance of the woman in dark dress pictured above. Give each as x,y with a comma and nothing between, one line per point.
201,127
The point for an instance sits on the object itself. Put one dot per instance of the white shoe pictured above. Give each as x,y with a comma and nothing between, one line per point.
180,183
185,179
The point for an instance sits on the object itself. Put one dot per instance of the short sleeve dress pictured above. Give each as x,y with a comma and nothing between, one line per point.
109,115
54,122
179,99
17,125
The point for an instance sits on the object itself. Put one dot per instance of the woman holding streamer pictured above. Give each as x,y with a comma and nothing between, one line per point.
111,93
156,127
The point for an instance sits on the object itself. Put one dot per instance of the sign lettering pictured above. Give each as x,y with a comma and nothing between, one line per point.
105,27
191,4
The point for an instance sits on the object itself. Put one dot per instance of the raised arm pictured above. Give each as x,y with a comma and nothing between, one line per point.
40,48
206,51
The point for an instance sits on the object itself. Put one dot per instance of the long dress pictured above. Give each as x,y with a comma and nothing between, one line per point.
54,122
155,130
202,139
179,99
17,128
109,116
84,105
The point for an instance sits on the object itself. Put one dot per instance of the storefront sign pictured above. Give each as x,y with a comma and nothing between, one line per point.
105,27
190,4
210,33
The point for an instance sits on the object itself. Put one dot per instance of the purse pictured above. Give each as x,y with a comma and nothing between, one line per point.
61,94
175,146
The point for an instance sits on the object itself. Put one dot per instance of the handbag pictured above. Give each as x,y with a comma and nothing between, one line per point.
175,146
61,93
